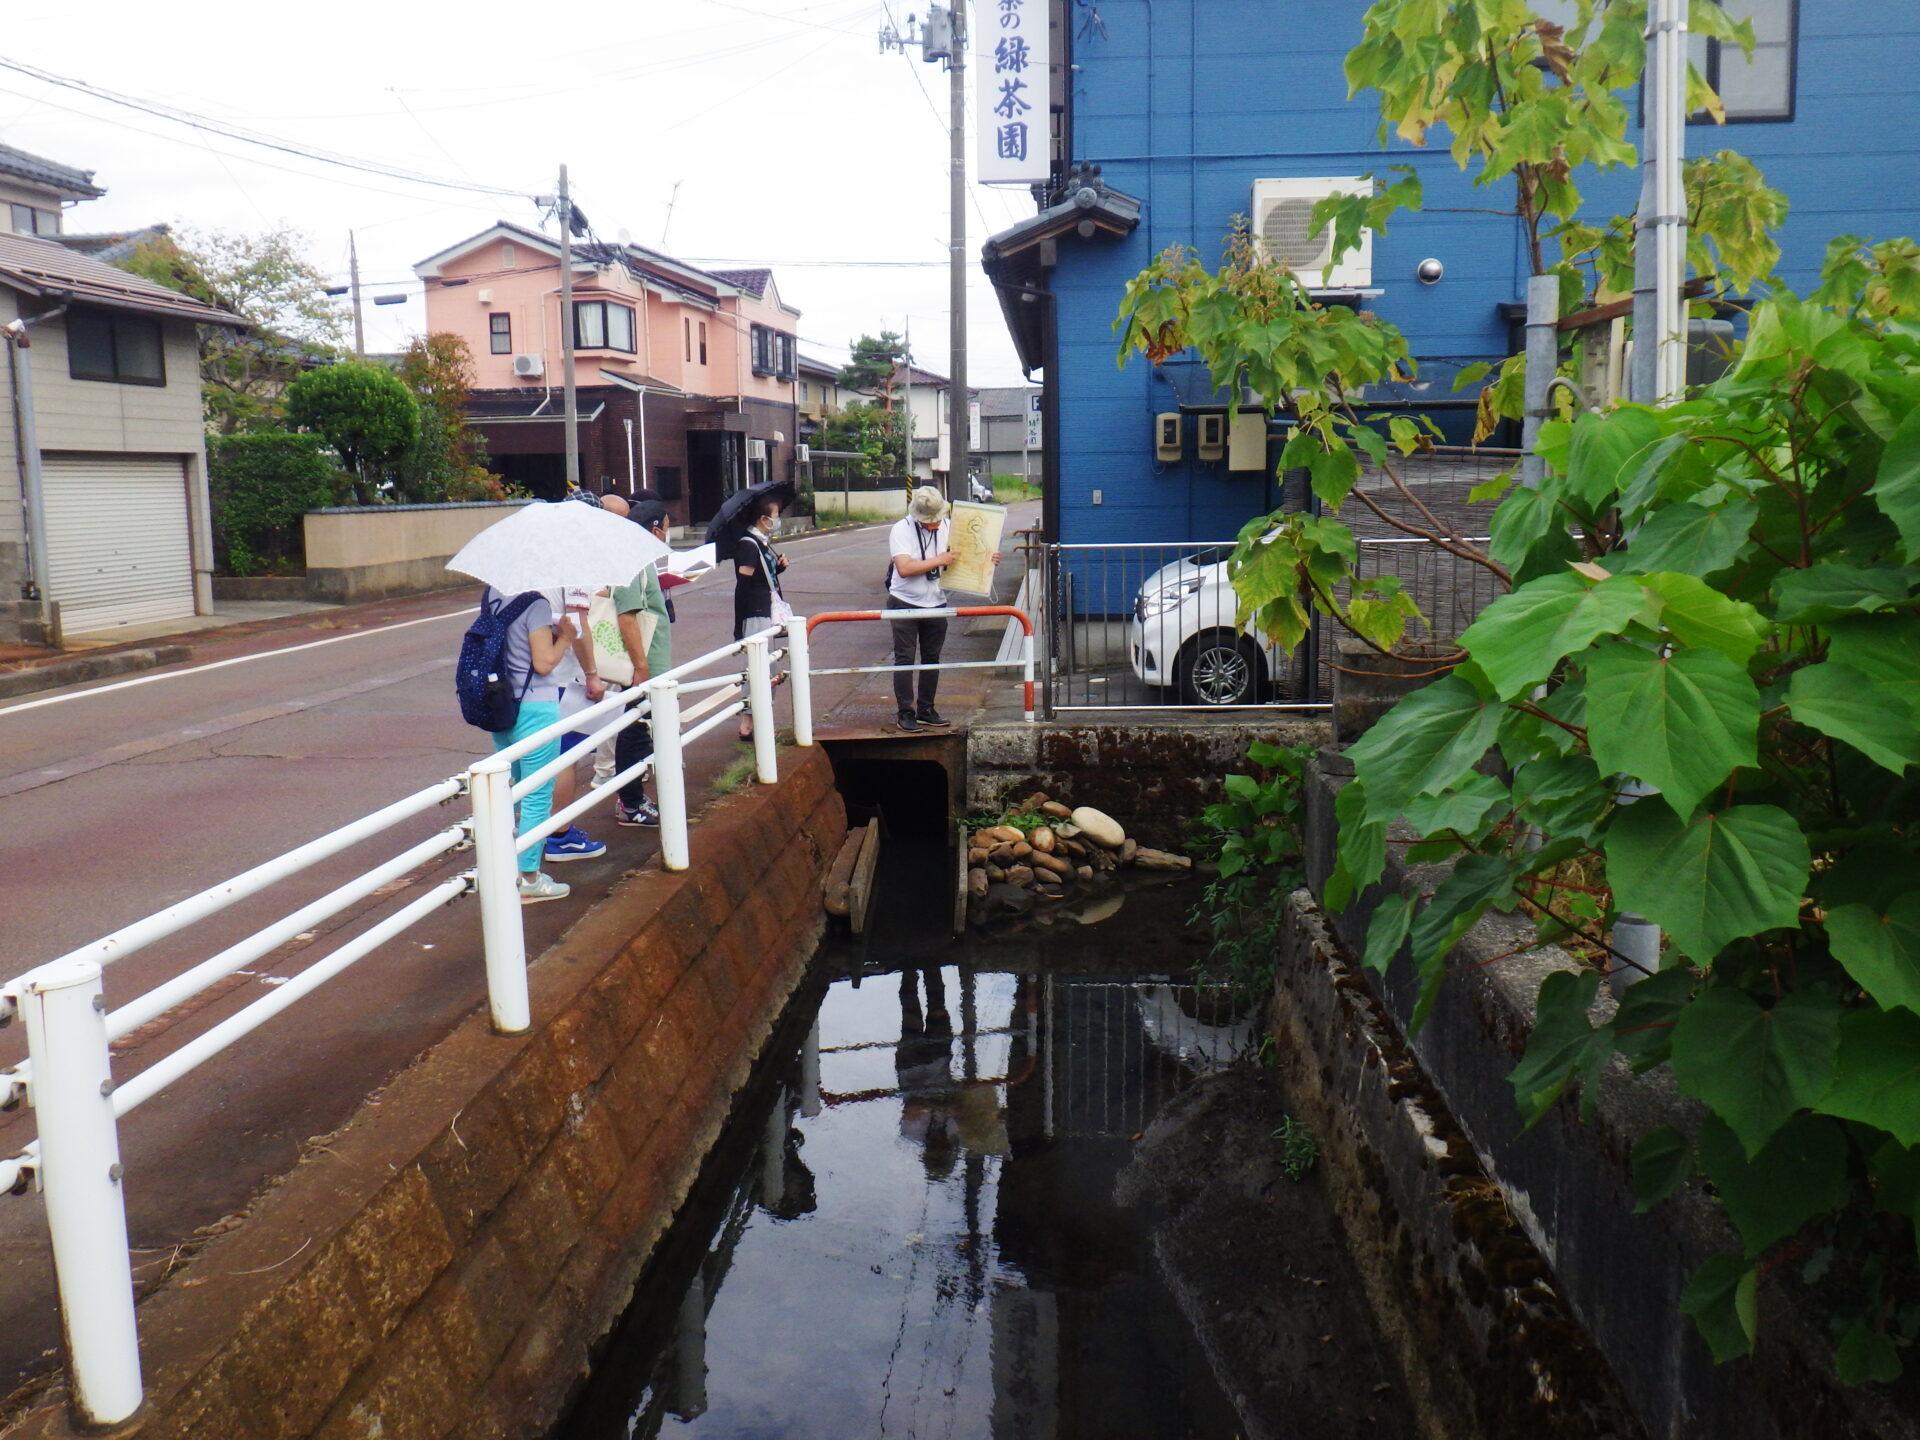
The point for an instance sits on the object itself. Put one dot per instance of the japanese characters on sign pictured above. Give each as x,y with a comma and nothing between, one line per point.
1010,55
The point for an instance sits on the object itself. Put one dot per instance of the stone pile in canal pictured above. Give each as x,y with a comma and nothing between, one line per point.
1044,849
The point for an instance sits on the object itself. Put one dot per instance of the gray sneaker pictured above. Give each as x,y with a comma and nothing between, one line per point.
540,886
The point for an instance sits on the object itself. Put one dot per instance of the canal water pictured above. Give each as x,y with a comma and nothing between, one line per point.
910,1229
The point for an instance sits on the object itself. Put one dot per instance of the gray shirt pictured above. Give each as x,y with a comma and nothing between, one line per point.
519,653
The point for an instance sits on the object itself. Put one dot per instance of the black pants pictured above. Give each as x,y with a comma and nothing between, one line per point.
630,747
929,637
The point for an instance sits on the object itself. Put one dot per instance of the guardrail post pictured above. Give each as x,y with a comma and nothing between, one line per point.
800,677
81,1173
760,707
497,877
670,775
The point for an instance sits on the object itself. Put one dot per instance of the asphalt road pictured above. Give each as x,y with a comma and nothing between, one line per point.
120,798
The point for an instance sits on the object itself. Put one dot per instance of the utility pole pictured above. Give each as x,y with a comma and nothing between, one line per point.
565,212
957,251
1659,370
353,285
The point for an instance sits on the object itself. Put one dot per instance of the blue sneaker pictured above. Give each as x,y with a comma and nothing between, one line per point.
573,843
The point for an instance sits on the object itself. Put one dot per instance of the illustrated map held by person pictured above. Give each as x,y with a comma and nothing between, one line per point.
920,545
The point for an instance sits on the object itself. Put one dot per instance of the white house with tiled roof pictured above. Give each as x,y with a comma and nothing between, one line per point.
104,521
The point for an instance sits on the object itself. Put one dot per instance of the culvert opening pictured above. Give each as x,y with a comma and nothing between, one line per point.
931,1215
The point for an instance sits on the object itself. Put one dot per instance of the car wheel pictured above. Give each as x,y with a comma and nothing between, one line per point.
1218,667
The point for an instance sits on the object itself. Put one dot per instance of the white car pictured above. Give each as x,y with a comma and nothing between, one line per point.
1182,634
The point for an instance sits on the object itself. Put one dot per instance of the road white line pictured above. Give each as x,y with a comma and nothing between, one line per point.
222,664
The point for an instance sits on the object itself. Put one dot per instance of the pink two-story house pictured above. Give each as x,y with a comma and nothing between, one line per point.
684,377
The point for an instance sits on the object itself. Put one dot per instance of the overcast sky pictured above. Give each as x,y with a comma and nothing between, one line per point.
791,140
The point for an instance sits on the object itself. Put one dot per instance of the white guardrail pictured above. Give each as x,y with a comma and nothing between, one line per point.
67,1076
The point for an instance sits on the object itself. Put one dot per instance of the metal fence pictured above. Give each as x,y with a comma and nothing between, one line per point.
67,1077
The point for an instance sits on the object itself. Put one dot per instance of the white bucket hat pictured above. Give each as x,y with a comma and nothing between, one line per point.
928,506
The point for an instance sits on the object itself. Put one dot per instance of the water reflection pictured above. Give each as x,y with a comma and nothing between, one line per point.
917,1237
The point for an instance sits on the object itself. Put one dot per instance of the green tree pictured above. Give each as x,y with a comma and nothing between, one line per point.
1719,599
448,459
364,411
267,280
873,365
260,484
878,435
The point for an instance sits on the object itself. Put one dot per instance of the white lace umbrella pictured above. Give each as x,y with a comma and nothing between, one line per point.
546,547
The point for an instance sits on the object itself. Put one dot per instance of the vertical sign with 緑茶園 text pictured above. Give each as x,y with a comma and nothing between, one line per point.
1010,53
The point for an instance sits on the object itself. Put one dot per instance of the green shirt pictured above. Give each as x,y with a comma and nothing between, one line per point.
644,593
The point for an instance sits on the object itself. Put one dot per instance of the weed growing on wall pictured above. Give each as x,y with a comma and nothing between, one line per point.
1253,839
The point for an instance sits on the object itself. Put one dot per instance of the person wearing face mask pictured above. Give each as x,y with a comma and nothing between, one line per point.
757,602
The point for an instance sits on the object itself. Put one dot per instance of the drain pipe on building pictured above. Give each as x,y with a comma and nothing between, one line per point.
26,437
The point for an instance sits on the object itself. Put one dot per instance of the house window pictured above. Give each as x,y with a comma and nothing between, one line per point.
601,325
686,329
703,342
500,333
803,392
762,339
508,255
31,220
120,349
1757,86
784,354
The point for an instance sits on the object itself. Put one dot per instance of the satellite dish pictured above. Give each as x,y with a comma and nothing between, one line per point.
624,235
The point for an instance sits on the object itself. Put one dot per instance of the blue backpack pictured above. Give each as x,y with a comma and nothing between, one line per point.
487,696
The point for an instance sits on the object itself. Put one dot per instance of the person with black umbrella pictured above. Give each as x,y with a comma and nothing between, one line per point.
757,602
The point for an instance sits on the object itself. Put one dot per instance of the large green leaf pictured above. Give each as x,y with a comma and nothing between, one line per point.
1661,1159
1529,536
1562,794
1831,589
1896,489
1881,952
1692,538
1521,636
1724,1300
1464,807
1865,1354
1430,740
1885,649
1799,1174
1682,722
1475,882
1606,452
1563,1043
1755,1066
1698,615
1877,1081
1711,879
1361,845
1845,704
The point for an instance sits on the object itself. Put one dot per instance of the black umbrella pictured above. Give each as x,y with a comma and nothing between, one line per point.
730,521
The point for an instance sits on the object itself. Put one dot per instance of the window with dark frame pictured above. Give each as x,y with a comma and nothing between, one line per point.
601,325
32,220
785,355
686,327
762,339
703,342
1759,86
500,334
116,349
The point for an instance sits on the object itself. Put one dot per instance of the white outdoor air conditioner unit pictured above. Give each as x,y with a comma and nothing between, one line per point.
529,366
756,448
803,453
1283,226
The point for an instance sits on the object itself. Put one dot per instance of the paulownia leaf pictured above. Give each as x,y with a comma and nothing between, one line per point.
1682,722
1866,1354
1606,452
1799,1174
1831,590
1845,704
1896,488
1881,952
1698,615
1521,636
1387,931
1362,847
1475,882
1724,1300
1877,1081
1661,1160
1691,538
1709,880
1563,1043
1430,740
1463,807
1885,649
1756,1067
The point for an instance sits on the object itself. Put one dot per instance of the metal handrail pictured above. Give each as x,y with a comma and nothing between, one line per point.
67,1076
915,615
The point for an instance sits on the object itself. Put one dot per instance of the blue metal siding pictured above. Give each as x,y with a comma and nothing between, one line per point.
1184,103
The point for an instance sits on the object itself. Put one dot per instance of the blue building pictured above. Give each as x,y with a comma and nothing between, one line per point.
1171,116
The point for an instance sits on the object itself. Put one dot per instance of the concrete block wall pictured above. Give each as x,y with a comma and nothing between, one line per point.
443,1266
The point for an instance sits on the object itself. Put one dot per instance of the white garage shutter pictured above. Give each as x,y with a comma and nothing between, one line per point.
118,546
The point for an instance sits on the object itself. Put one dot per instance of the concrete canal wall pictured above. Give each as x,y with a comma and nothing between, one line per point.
442,1265
1525,1297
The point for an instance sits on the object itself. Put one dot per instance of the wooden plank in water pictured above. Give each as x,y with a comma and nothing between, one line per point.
860,893
960,880
835,888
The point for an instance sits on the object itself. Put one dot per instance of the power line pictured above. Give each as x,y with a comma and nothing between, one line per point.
234,132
